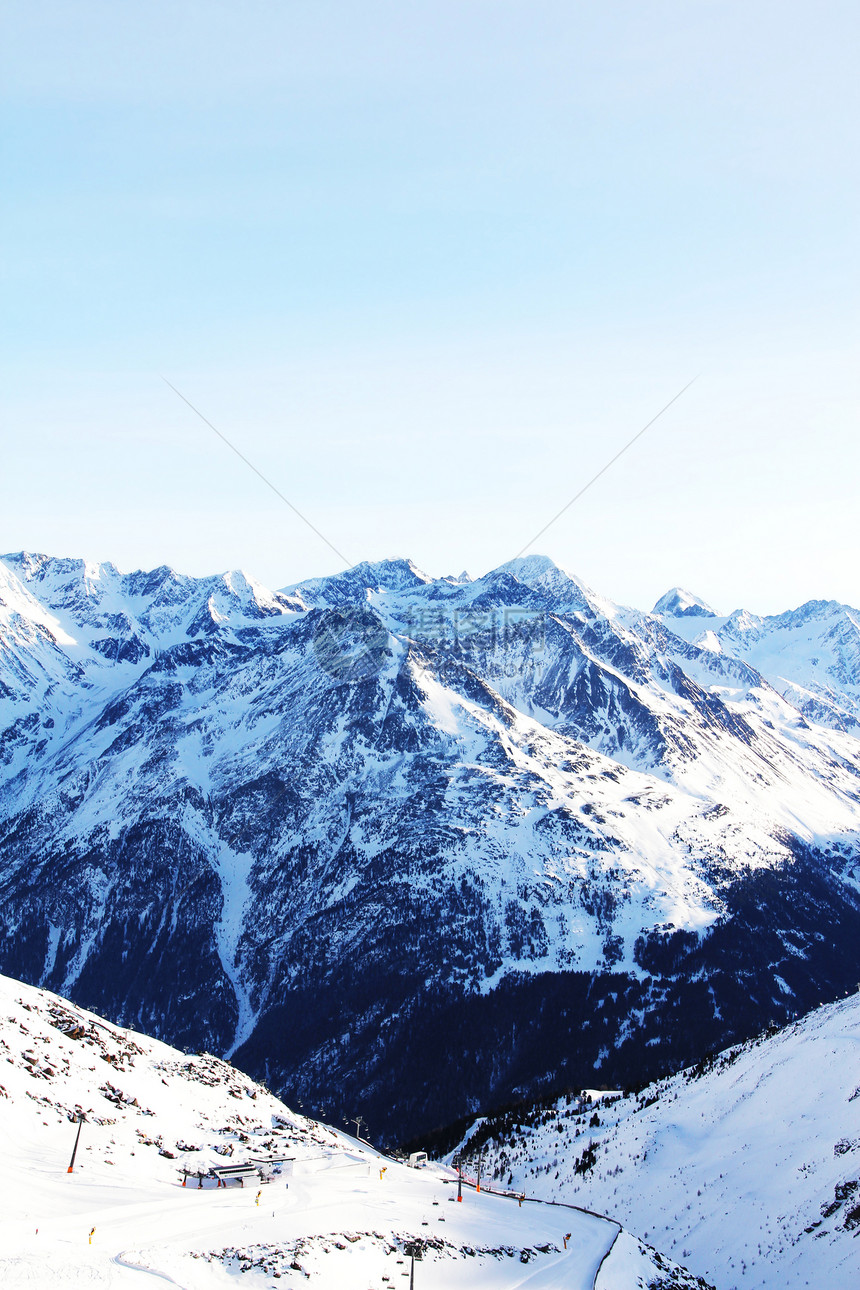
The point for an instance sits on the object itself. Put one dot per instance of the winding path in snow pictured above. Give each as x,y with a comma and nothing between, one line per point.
122,1262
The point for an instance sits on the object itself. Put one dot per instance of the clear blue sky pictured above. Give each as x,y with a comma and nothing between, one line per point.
431,264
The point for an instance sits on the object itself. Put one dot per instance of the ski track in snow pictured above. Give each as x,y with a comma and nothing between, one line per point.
344,1213
122,1262
749,1173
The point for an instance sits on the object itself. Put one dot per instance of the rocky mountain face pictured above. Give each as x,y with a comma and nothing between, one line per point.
413,846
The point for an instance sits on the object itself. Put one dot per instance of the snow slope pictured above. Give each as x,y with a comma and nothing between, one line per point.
746,1167
332,1212
810,655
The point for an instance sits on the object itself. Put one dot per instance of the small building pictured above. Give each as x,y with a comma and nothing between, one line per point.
240,1172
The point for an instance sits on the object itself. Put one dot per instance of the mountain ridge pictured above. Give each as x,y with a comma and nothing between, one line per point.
435,811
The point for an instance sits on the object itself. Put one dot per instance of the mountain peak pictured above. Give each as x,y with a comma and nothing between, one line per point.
679,603
33,566
375,576
528,567
539,571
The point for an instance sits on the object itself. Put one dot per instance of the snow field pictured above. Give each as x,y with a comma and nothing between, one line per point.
336,1214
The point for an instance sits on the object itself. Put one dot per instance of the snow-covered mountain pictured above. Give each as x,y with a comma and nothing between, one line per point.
315,1207
746,1167
410,846
679,603
810,655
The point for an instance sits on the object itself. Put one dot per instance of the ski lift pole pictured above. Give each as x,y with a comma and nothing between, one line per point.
459,1180
81,1118
413,1249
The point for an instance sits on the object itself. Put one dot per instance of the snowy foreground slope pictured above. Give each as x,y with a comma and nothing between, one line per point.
327,1216
747,1167
424,844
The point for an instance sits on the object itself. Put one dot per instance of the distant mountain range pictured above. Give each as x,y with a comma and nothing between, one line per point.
411,846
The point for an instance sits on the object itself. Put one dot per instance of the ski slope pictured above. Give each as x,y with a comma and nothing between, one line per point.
746,1168
332,1212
